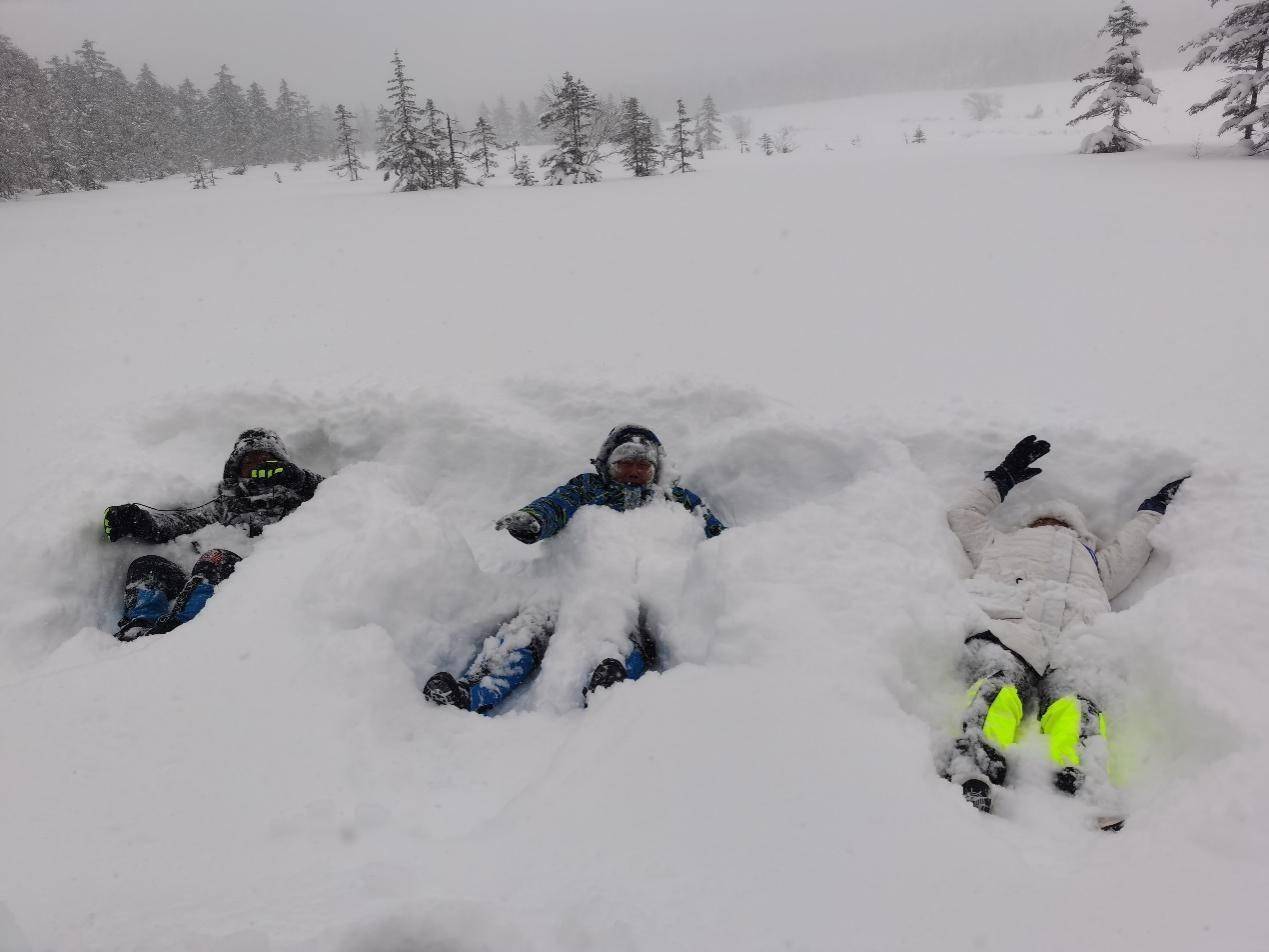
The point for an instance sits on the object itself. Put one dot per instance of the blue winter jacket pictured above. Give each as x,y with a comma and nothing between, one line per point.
594,489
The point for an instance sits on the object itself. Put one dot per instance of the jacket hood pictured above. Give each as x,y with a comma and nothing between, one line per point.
626,433
251,441
1067,512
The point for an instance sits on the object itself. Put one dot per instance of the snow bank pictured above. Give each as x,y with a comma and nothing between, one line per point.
853,335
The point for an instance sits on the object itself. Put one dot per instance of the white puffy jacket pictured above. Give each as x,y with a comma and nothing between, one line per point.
1035,582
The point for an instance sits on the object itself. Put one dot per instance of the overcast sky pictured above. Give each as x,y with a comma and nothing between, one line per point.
746,52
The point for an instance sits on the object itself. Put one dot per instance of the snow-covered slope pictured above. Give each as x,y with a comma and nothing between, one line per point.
830,342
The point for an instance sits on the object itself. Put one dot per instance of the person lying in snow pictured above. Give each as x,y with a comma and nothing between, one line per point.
259,486
630,471
1035,583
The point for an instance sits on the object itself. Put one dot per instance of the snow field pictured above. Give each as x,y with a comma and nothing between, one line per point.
830,344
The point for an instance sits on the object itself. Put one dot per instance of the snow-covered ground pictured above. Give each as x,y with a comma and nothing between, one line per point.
831,343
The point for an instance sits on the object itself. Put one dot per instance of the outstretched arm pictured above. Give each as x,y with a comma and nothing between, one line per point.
693,502
1121,560
969,518
551,512
135,521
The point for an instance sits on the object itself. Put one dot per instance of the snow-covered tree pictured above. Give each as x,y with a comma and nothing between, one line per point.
454,170
1241,42
570,118
918,137
1116,82
742,129
191,122
766,143
289,126
484,144
786,140
982,106
708,132
635,139
522,172
260,121
347,145
680,145
526,127
406,157
504,125
229,123
24,131
155,131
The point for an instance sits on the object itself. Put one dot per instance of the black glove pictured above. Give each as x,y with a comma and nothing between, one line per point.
1016,467
522,525
120,522
1159,501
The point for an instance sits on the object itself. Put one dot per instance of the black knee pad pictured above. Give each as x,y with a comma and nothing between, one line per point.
163,574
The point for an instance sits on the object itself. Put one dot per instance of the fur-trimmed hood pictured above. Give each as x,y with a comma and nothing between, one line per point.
1062,510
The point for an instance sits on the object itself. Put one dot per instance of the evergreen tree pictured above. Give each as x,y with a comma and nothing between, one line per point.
406,157
523,172
192,129
156,133
289,126
454,172
570,116
678,148
766,143
708,131
742,129
1241,42
347,143
261,133
526,126
485,142
24,130
229,123
918,137
635,139
504,126
1116,81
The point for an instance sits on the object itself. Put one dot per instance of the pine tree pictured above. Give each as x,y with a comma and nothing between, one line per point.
24,130
1241,42
485,142
766,143
347,143
570,116
405,156
742,129
504,126
261,133
708,131
527,132
288,126
455,170
229,123
678,148
191,121
156,132
1116,81
635,140
918,137
521,170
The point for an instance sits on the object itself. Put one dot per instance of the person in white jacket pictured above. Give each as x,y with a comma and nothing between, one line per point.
1034,584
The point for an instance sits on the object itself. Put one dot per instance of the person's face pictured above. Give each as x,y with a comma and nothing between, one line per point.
633,472
1048,521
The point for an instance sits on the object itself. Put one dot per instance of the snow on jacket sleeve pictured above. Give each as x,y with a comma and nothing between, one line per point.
693,502
969,518
1122,559
558,506
166,524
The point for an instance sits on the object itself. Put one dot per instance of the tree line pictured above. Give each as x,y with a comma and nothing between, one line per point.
78,122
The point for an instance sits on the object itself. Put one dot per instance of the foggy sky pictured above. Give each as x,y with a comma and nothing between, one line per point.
745,52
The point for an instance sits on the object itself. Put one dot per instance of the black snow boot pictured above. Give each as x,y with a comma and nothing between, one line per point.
608,672
445,689
978,794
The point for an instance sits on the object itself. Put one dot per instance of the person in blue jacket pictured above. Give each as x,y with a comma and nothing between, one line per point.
259,486
630,471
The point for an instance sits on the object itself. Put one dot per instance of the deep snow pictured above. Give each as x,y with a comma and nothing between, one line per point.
830,343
